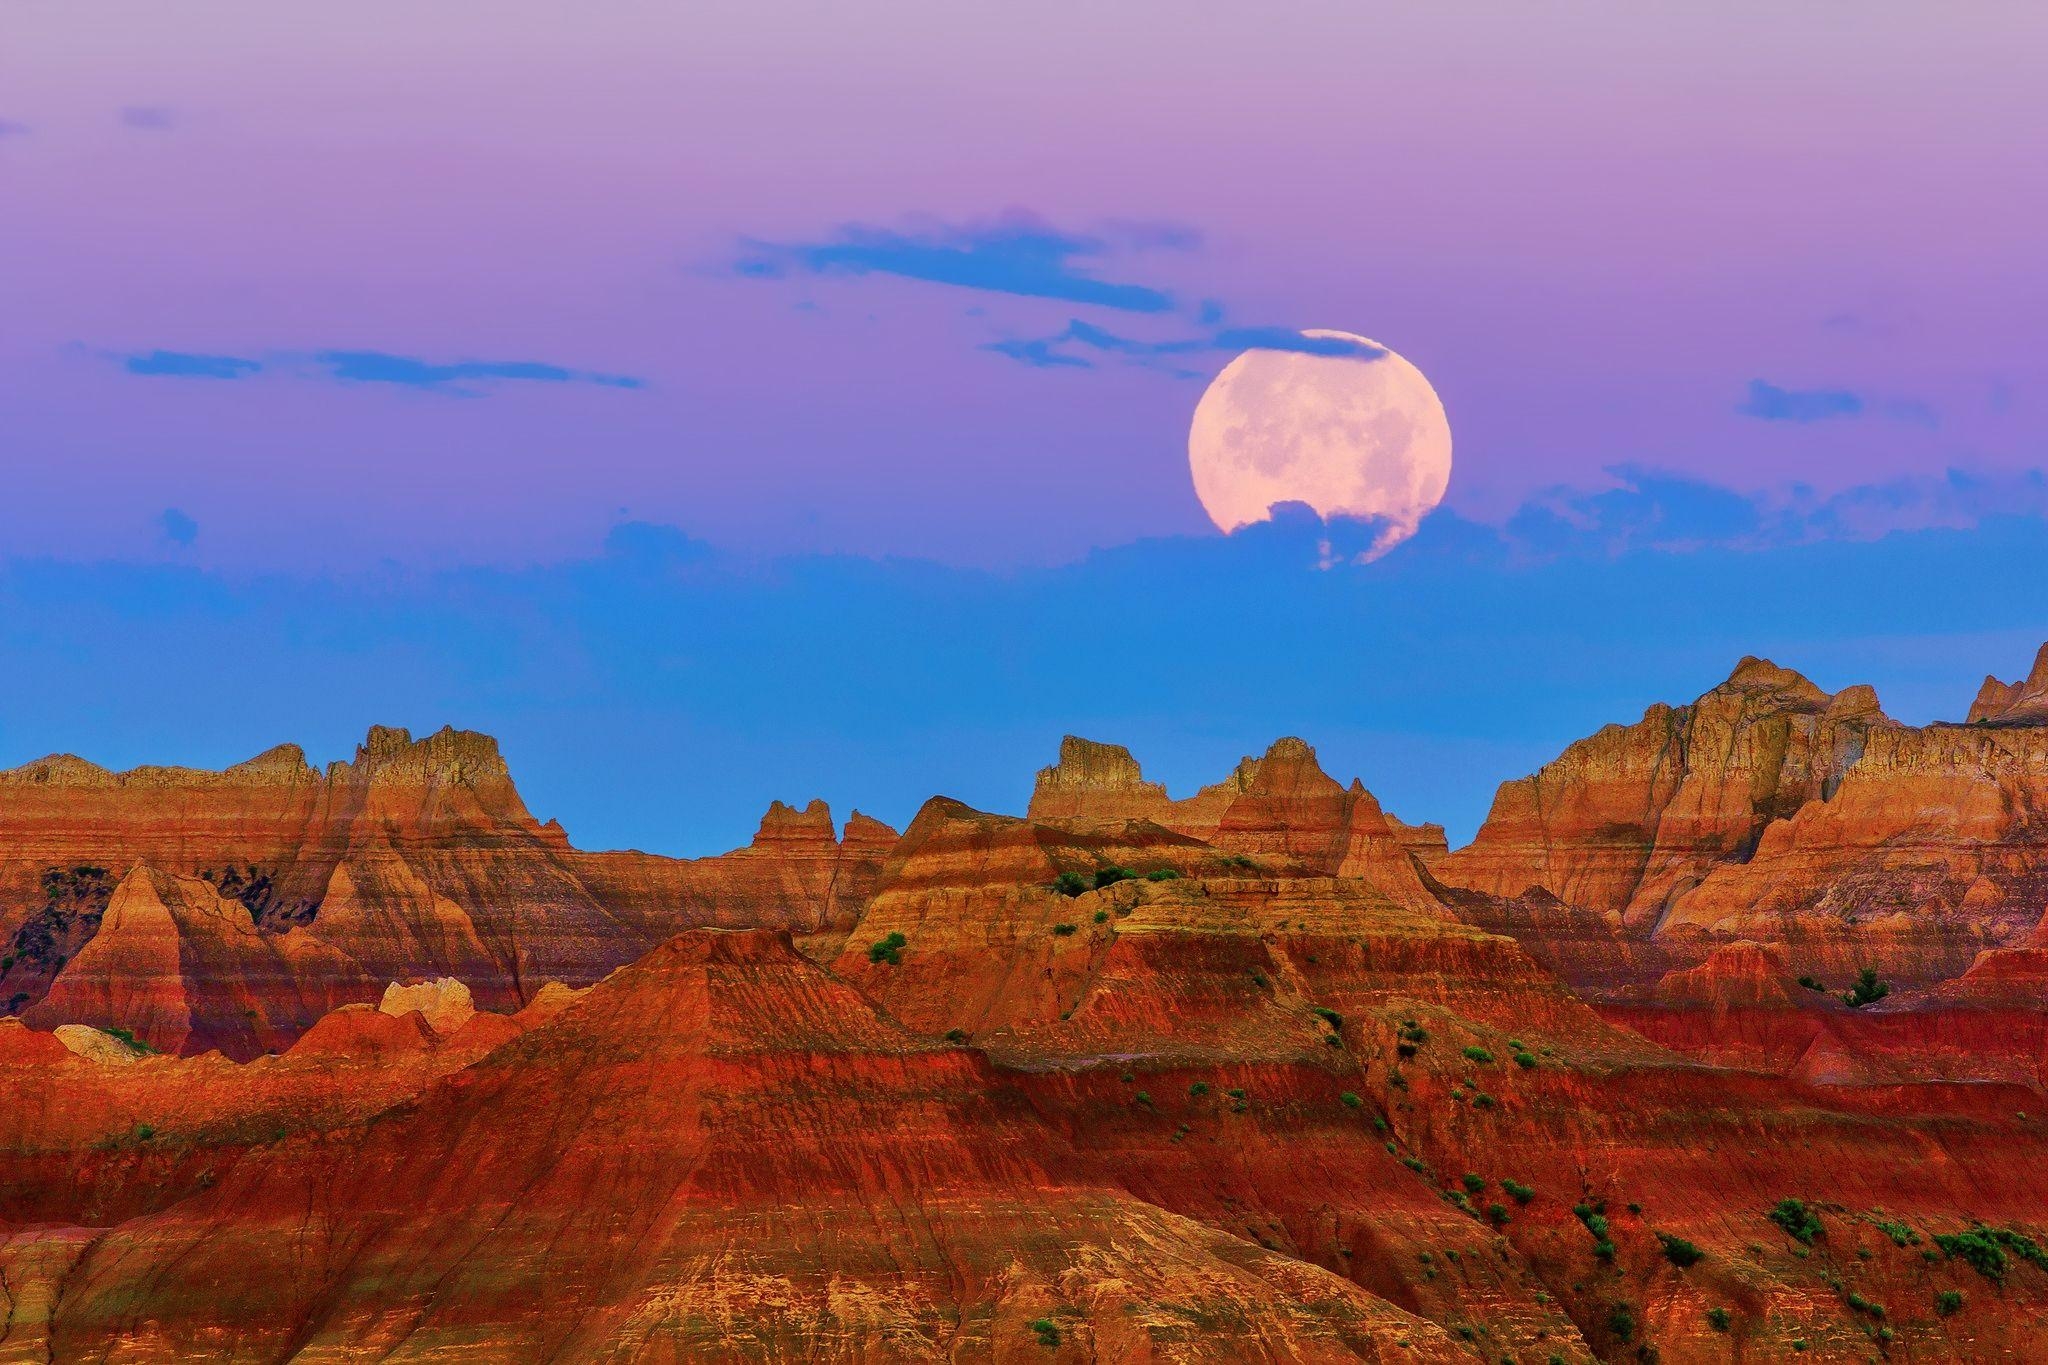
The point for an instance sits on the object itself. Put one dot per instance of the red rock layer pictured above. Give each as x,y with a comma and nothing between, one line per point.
251,901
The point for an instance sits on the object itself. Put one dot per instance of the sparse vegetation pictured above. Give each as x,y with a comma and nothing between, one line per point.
1350,1100
1162,874
1328,1016
1525,1060
1474,1183
1621,1321
1199,1089
1901,1235
133,1043
1813,984
1517,1191
1110,876
1070,884
1048,1335
1948,1302
956,1036
1986,1248
1479,1055
1867,990
1719,1319
889,949
1065,930
1497,1213
1239,860
1678,1251
1800,1223
1862,1305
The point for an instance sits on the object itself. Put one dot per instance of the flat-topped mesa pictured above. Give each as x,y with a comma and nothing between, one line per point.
1095,783
1625,820
2024,702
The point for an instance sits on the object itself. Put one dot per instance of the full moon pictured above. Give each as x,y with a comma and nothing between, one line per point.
1356,431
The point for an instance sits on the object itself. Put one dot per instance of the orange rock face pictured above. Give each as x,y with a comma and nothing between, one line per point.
230,910
1258,1074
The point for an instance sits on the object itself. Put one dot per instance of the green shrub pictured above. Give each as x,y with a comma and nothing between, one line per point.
1621,1320
1162,874
1102,916
1048,1335
1867,990
1517,1191
1524,1060
1328,1016
1604,1249
1065,930
1070,884
1199,1089
1349,1100
1678,1251
1901,1235
1415,1164
1481,1100
1800,1223
1110,876
144,1132
1143,1097
1982,1252
1812,983
1863,1305
1474,1183
1949,1302
1479,1055
134,1044
956,1035
1718,1319
889,950
1498,1213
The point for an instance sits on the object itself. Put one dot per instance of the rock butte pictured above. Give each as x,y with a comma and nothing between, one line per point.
1260,1073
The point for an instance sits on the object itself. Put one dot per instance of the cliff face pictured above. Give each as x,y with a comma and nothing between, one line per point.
1770,810
2022,702
232,909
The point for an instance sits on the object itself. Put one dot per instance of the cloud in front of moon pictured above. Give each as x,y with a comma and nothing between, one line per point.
1360,434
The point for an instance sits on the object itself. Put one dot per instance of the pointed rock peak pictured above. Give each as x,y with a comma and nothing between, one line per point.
866,830
60,770
784,824
2025,700
939,811
283,763
1289,765
1761,675
1858,701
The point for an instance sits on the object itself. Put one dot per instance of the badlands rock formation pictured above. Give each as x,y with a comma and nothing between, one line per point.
370,1064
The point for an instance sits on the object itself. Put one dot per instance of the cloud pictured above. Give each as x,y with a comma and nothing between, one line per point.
371,367
148,118
189,365
1652,510
607,674
9,128
382,367
177,527
1017,254
1054,350
1770,403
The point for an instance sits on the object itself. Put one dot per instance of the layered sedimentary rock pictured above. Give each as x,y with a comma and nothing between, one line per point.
231,909
2023,702
1770,810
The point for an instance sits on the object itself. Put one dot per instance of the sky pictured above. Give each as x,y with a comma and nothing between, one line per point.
727,402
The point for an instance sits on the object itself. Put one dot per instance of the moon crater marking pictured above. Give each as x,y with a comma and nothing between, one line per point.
1360,434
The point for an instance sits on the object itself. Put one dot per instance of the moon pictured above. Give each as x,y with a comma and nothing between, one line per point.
1352,431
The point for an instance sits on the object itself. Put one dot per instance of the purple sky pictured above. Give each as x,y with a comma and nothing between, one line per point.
1592,226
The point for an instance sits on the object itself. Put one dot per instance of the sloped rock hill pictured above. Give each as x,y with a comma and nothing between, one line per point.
1771,811
231,909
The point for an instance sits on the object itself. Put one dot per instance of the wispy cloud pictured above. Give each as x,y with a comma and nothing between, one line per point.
188,365
459,377
1017,254
1060,349
382,367
148,118
178,528
9,128
1770,403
